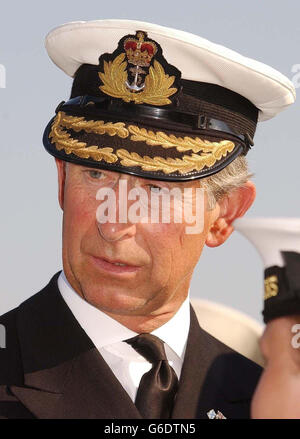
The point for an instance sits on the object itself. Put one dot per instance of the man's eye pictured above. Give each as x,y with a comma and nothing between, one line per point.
96,175
155,189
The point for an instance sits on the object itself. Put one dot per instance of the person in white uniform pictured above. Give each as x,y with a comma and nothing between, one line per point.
277,240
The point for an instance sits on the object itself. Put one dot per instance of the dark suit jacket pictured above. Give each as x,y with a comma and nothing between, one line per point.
51,369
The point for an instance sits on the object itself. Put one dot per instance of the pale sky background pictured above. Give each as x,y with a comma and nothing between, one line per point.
30,232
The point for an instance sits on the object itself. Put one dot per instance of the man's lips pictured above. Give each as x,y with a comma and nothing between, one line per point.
115,266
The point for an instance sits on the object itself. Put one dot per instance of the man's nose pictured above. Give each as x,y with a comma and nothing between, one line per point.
116,231
121,228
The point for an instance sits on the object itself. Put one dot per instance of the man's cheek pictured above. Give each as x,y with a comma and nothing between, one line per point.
169,233
81,208
79,221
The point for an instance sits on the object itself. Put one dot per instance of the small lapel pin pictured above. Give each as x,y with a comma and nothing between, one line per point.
213,415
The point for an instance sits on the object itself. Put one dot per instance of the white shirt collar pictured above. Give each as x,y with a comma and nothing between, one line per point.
104,330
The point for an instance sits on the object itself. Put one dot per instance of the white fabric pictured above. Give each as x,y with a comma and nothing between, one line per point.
270,236
107,335
76,43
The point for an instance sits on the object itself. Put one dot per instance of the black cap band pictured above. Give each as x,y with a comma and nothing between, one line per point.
282,288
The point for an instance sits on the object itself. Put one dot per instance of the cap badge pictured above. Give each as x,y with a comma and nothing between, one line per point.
271,287
134,75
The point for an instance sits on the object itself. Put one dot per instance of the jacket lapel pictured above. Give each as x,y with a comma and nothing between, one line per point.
66,377
64,374
212,378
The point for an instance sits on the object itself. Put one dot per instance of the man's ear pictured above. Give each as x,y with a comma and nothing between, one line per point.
61,174
233,206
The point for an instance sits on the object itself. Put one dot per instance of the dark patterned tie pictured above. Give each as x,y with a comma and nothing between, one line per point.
157,390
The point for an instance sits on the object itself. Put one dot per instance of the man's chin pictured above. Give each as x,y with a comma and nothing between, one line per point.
115,302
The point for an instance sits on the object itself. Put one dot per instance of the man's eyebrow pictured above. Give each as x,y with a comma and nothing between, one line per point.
91,168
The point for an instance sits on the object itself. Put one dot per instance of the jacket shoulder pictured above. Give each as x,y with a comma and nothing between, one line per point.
11,371
11,332
221,348
232,371
13,324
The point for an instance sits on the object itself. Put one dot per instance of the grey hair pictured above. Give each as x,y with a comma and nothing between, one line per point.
235,175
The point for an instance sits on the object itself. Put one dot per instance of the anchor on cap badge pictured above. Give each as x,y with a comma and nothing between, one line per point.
213,415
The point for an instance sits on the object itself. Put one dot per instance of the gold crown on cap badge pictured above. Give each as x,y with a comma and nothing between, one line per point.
138,51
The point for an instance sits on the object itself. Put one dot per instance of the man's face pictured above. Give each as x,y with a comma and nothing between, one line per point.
278,393
159,258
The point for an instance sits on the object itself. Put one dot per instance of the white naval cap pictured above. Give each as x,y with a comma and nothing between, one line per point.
73,44
157,102
277,240
270,236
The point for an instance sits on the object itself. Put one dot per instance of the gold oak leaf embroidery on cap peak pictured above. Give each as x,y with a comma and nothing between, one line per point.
182,144
63,140
211,151
168,165
91,126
